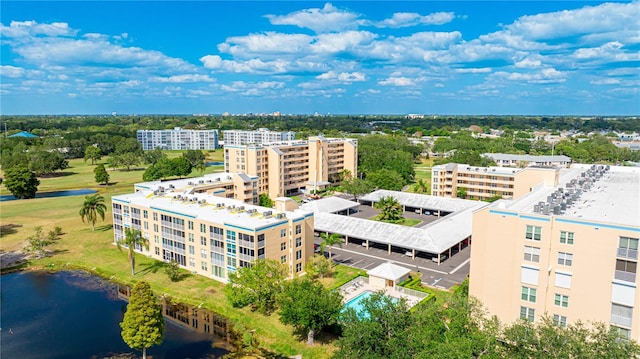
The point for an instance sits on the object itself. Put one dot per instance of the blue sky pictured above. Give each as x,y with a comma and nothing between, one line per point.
362,57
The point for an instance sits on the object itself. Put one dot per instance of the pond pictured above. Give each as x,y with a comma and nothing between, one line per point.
74,192
76,315
209,164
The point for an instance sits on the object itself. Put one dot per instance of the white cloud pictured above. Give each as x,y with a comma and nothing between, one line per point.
183,78
396,81
528,63
347,41
265,44
544,76
22,29
11,71
342,76
257,66
605,81
406,19
327,19
474,70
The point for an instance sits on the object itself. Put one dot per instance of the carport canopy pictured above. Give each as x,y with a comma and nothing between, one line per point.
330,205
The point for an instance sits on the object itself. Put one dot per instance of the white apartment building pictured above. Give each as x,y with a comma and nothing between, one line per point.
178,139
260,136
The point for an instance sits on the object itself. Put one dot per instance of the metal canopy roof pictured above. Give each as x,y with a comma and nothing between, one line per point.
422,201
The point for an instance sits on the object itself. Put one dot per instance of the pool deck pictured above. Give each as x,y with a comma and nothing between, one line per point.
361,284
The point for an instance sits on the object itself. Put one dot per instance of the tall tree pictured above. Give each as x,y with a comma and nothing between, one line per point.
356,187
265,201
461,192
143,323
93,207
93,154
45,162
330,240
132,239
257,285
181,167
309,306
386,179
421,186
153,156
390,209
195,157
101,174
21,182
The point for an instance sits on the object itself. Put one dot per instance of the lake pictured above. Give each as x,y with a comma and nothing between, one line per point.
76,315
73,192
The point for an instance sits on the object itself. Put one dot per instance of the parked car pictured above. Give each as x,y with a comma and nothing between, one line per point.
442,258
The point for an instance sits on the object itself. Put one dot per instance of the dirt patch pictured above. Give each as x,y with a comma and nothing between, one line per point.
11,259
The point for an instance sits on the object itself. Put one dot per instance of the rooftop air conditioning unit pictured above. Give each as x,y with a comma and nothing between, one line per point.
172,186
203,201
218,205
201,181
241,208
190,183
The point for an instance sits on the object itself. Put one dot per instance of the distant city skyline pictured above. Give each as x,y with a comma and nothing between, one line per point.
294,57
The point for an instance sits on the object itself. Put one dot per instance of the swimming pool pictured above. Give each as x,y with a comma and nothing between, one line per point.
357,302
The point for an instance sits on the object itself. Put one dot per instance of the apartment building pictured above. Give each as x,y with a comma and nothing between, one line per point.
238,186
569,251
512,160
259,136
483,183
211,235
285,168
178,139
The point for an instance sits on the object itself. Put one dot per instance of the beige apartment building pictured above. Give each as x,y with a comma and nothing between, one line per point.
482,183
568,251
212,235
238,186
285,168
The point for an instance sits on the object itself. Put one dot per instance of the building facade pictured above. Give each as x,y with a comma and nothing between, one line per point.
285,168
483,183
211,235
513,160
260,136
178,139
568,251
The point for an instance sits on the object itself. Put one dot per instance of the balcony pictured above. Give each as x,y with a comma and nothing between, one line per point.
628,253
620,320
246,257
625,276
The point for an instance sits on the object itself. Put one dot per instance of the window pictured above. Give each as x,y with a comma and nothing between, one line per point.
146,225
566,237
283,259
155,227
560,320
283,233
622,332
298,254
628,247
192,262
203,253
298,229
533,233
231,249
203,265
217,271
298,267
298,241
531,254
231,262
156,239
203,241
191,250
528,294
565,259
231,236
157,251
203,228
145,213
561,300
527,313
155,216
283,246
191,238
626,270
621,315
190,225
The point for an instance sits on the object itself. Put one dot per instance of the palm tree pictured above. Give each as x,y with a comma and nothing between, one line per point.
421,186
132,239
330,240
390,209
93,207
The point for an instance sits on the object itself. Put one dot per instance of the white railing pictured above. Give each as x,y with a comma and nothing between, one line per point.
411,292
355,282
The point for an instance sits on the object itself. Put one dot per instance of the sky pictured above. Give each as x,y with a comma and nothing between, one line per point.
307,57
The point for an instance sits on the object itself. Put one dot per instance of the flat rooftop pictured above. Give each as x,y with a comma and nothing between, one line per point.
422,201
613,198
211,208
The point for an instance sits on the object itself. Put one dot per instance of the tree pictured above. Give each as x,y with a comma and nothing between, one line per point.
101,174
386,179
265,201
195,157
45,162
143,323
390,209
153,156
461,192
132,239
421,186
308,306
330,240
92,153
356,187
37,241
319,266
21,182
173,271
93,207
257,285
181,167
380,330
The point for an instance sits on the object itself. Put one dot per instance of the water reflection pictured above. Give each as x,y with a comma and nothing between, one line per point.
74,315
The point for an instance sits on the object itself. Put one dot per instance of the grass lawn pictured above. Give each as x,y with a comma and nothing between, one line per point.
93,251
422,172
409,222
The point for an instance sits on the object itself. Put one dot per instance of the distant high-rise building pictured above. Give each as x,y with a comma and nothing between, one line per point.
178,139
260,136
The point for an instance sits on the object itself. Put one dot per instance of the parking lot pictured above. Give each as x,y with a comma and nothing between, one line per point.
450,272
